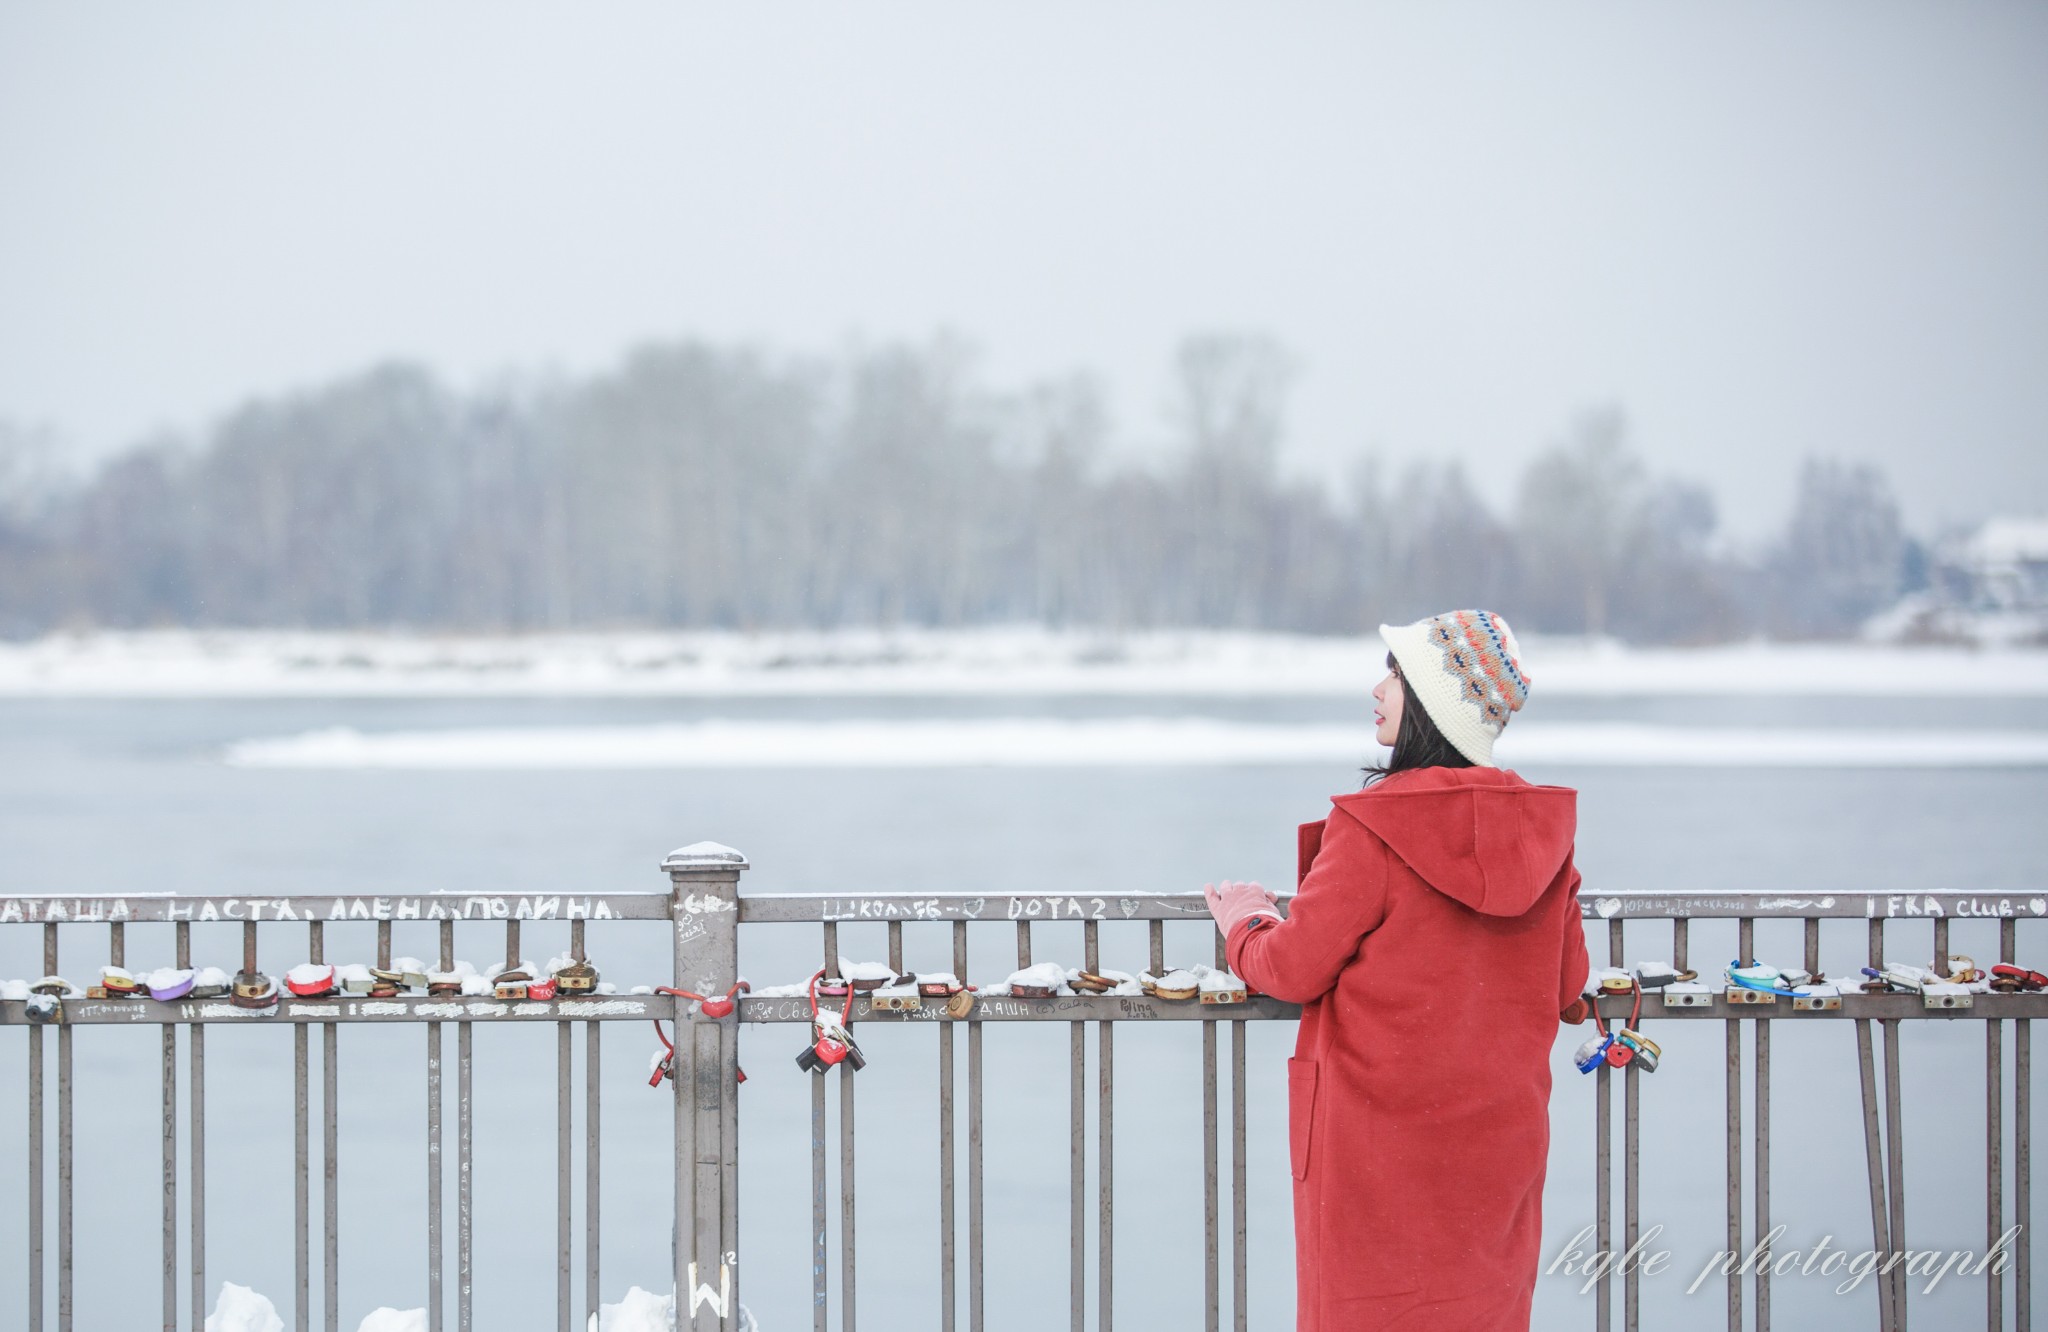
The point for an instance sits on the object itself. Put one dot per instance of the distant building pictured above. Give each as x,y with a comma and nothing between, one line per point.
2002,566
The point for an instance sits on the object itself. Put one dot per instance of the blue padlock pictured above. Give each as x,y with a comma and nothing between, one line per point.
1593,1053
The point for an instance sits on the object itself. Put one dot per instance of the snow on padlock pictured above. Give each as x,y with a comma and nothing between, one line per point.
1042,981
1220,987
1593,1053
1655,975
662,1066
44,1008
1687,994
310,980
1615,980
1945,994
1818,998
902,998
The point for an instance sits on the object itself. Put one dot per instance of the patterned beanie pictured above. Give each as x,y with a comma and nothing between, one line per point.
1465,668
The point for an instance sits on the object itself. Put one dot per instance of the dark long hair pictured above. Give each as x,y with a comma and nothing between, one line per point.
1418,743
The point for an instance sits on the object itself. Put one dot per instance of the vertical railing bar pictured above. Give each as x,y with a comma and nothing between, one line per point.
384,945
819,1256
35,1177
1681,938
576,941
195,1152
564,1155
1091,960
2022,1136
1941,946
593,1139
1157,937
1603,1191
1105,1172
64,1136
896,946
974,1199
948,1294
1240,1230
2023,1172
464,1170
1023,944
1994,1166
1895,1150
330,1153
1212,1210
831,949
1077,1185
1873,1164
1212,1257
117,944
846,1198
1630,1159
1732,1149
1812,959
170,1175
302,1182
1762,1169
435,1309
512,947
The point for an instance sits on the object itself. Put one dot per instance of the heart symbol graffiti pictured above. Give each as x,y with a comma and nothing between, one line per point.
974,908
1129,905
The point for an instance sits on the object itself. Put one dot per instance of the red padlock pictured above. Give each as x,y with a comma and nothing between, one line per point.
665,1069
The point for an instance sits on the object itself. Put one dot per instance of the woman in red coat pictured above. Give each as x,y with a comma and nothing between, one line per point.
1433,942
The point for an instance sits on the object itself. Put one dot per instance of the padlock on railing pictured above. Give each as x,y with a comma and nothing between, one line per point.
1593,1053
830,1044
664,1069
1643,1052
831,1038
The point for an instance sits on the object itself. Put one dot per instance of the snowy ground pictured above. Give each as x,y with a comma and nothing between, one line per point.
240,1309
1024,660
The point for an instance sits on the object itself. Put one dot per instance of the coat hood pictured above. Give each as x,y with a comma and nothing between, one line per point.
1482,836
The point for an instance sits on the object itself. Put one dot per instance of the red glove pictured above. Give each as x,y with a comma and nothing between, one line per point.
1234,903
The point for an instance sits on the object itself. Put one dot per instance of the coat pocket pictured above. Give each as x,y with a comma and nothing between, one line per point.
1301,1112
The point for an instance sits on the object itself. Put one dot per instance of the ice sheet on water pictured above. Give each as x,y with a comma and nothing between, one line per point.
1051,742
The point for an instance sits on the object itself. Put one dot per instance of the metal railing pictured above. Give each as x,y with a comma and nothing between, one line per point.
705,911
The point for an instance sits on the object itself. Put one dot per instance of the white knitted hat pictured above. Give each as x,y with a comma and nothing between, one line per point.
1465,668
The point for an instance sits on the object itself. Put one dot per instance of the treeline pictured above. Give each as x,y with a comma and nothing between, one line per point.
704,486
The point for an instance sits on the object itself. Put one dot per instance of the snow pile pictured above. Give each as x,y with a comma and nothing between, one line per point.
866,971
394,1320
645,1311
239,1309
13,989
983,662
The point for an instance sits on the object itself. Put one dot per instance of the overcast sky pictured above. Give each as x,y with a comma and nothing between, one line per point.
1764,229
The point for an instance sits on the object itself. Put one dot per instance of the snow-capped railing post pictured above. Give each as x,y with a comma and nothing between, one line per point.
704,911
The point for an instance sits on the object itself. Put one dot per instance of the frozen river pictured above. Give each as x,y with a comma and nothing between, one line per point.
531,794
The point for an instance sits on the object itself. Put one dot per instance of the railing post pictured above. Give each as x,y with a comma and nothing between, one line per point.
704,912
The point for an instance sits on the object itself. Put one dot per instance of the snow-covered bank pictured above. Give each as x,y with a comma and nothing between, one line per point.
1109,742
1016,661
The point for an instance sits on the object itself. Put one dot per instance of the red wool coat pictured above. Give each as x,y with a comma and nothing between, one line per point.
1433,942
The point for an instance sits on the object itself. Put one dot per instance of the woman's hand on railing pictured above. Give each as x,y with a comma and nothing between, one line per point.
1234,903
